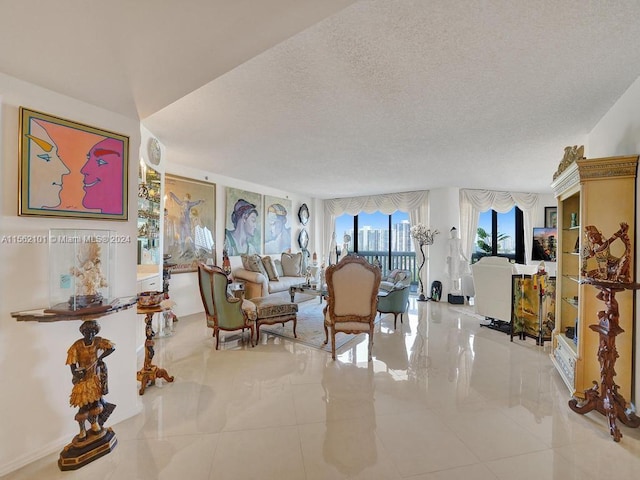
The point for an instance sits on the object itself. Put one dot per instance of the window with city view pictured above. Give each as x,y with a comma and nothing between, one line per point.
380,238
500,234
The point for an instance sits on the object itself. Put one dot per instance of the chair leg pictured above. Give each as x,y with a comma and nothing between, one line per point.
370,341
216,333
251,335
295,324
395,319
333,343
326,334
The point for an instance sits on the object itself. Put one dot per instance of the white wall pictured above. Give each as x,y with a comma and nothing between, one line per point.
444,213
618,133
35,414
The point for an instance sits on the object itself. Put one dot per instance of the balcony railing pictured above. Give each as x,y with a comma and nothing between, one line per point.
401,260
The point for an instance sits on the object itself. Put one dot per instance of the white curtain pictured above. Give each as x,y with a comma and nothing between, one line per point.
414,203
472,202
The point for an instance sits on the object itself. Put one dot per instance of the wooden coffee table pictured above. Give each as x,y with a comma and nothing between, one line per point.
311,289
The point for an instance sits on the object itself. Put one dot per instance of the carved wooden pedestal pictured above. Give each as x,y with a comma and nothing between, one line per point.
607,400
82,451
99,440
149,372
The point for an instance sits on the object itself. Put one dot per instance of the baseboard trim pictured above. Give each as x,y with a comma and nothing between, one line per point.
55,446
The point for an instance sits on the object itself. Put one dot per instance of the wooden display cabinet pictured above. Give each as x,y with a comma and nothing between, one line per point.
598,192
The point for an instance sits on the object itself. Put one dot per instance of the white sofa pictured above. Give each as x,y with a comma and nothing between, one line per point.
258,284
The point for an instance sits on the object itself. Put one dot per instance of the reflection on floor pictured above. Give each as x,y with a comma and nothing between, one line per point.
442,399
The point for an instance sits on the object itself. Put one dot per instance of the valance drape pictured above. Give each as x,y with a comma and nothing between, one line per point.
472,202
387,203
414,203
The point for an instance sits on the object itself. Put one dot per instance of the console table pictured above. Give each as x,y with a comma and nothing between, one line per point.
86,365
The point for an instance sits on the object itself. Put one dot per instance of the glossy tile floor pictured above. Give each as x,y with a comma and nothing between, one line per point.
443,399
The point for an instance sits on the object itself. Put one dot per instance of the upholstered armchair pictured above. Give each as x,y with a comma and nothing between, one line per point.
223,312
396,301
352,285
492,282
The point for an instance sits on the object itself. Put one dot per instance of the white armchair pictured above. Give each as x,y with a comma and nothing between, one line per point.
492,281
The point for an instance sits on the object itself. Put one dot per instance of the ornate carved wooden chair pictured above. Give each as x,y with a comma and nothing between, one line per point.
352,285
222,311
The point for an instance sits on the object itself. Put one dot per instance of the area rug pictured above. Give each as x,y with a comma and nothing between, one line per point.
310,327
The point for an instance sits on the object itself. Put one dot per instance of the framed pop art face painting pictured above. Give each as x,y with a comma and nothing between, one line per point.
68,169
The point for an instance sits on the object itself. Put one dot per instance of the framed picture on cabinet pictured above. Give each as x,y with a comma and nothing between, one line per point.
189,222
550,217
69,169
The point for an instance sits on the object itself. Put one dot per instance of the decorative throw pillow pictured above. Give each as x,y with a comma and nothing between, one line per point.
245,261
401,276
279,270
270,267
254,264
392,276
386,286
291,264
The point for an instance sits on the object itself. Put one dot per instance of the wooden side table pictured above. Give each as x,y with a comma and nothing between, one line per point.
237,288
149,372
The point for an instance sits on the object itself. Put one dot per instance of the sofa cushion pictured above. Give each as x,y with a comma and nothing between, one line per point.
278,265
291,264
283,284
253,263
270,267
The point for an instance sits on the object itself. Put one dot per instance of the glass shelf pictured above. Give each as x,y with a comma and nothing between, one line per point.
574,278
148,216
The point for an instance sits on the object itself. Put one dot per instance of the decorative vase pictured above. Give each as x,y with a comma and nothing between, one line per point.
226,263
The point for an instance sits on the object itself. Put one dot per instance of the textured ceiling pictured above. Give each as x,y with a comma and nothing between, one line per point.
381,96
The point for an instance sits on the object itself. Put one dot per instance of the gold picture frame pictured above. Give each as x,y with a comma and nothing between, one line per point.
69,169
189,223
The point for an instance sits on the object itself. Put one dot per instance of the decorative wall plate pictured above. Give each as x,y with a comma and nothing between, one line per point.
154,151
303,239
303,214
